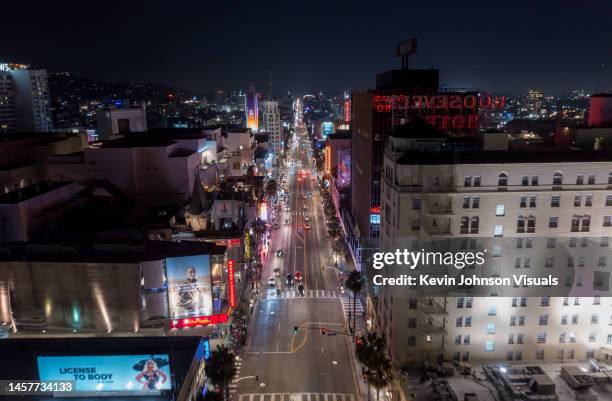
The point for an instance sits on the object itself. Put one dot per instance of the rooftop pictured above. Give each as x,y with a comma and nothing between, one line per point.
32,191
117,252
505,157
417,128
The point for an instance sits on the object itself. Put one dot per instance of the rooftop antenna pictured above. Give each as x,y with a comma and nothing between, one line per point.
404,50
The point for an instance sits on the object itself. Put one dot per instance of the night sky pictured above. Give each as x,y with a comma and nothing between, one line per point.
554,45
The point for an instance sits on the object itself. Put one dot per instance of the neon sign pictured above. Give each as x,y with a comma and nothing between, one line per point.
247,246
385,103
200,320
232,284
347,110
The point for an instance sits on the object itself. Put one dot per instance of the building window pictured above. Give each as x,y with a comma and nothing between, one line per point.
577,200
416,203
490,346
466,202
588,201
579,179
539,355
532,201
531,224
477,181
468,302
549,262
592,337
467,321
467,181
553,222
525,180
607,221
476,202
543,320
562,338
466,339
458,340
551,243
500,209
493,310
520,224
459,322
499,230
541,338
491,328
460,302
557,178
534,180
523,201
563,320
594,319
502,180
545,301
416,224
604,241
555,201
591,179
474,221
602,261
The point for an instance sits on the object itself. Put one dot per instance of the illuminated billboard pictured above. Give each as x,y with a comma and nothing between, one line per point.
252,111
189,286
344,166
327,128
101,373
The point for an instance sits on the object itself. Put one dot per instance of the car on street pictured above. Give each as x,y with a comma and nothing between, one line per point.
289,279
276,271
307,226
279,252
287,209
298,276
286,221
272,281
275,226
306,218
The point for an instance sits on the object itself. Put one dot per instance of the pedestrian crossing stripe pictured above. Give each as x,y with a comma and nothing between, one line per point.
347,307
290,294
295,397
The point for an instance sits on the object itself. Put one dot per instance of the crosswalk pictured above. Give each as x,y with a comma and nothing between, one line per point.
347,306
293,294
295,397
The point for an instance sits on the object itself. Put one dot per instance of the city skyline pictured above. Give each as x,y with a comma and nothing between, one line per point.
336,46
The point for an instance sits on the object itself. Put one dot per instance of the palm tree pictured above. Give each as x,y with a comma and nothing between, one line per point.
221,368
370,351
381,375
354,282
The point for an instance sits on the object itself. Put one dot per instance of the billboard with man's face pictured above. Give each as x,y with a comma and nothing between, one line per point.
189,286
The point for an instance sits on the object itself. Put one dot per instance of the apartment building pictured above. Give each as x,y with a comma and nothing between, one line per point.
24,99
539,209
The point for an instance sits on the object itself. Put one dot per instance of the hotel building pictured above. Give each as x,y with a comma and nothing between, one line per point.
540,209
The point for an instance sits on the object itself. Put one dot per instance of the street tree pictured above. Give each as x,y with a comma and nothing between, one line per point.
221,368
354,282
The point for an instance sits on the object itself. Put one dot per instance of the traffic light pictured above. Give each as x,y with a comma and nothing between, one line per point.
295,330
323,331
